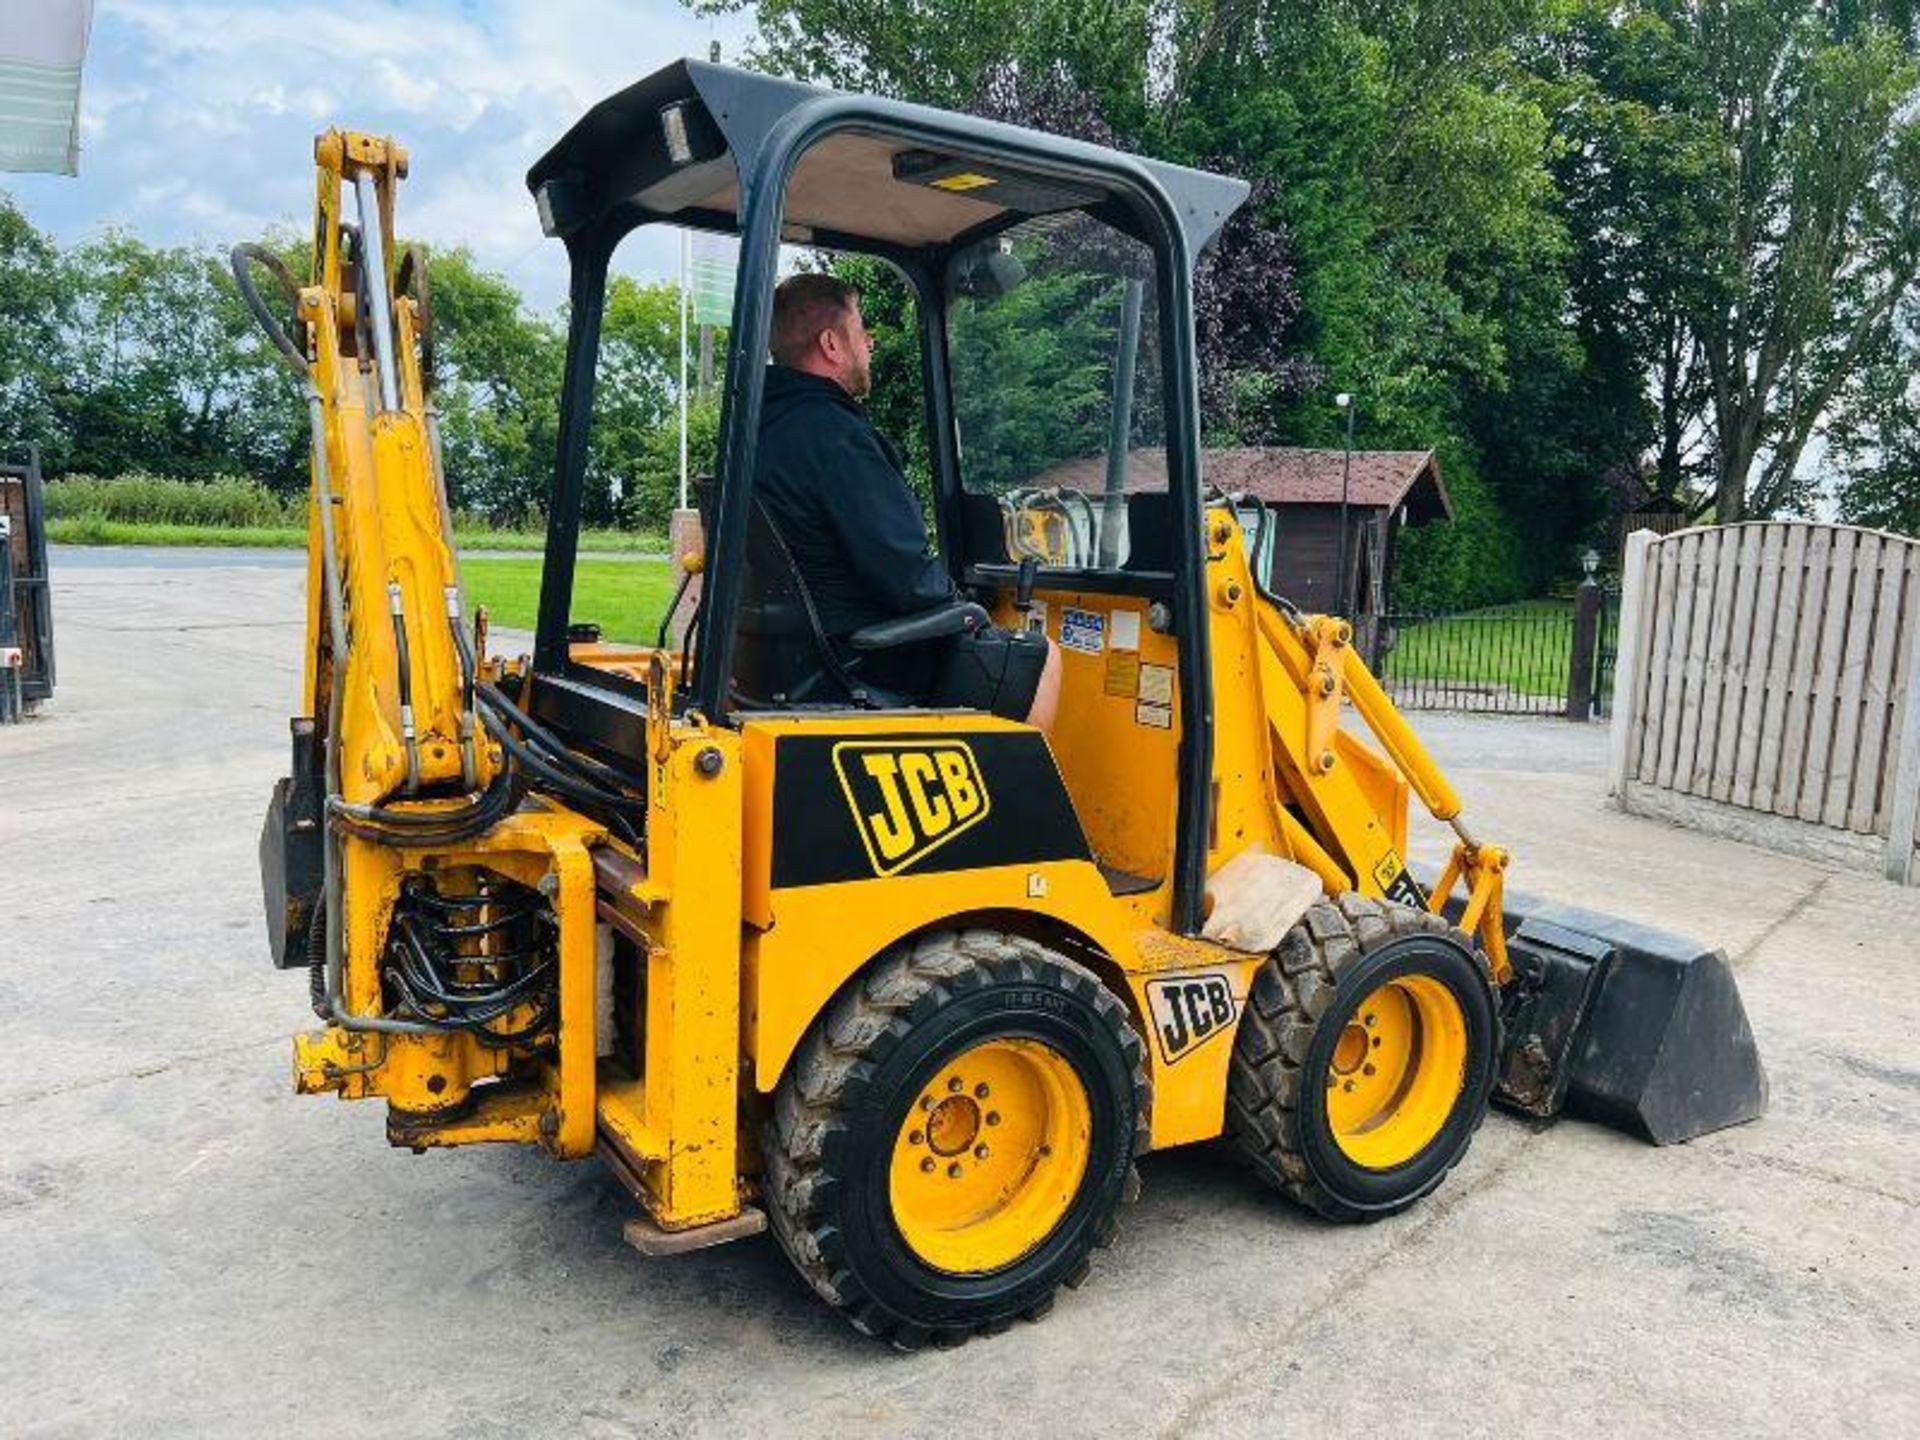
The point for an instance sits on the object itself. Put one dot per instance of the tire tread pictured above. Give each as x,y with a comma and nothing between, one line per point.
838,1059
1290,992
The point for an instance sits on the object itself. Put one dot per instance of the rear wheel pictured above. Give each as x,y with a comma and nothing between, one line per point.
955,1136
1366,1059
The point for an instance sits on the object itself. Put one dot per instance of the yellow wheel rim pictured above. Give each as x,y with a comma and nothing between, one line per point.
991,1154
1399,1064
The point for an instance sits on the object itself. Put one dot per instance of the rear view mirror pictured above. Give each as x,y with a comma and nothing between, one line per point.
987,270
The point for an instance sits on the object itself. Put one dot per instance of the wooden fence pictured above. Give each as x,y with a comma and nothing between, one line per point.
1767,685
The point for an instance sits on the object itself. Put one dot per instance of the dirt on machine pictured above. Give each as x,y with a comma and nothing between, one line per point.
913,988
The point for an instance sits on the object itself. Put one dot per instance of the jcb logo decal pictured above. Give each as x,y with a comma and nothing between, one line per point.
1190,1011
909,798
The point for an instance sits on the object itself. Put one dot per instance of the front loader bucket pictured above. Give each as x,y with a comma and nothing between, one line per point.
1621,1023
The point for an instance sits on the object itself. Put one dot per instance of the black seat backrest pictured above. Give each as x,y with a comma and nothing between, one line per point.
781,656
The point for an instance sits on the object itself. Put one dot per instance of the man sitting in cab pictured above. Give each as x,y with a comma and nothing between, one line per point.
834,488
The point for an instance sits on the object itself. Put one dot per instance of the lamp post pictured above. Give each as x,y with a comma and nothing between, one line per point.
1345,402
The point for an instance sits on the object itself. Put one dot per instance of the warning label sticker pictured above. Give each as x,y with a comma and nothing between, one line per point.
1083,630
1156,684
1123,673
1160,717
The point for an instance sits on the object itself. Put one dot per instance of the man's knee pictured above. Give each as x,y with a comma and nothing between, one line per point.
1003,671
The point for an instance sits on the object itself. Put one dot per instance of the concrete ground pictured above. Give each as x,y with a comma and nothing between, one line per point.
188,1248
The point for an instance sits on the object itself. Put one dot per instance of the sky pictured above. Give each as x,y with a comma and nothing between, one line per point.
198,116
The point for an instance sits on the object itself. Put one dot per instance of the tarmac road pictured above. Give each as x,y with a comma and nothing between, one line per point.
188,1248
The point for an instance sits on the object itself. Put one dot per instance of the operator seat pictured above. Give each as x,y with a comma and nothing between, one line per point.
782,657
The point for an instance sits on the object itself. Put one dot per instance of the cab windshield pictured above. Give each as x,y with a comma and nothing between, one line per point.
1053,347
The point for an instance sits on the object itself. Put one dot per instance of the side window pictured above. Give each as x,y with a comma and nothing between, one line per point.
668,304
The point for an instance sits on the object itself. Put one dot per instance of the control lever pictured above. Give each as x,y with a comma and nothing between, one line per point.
1024,583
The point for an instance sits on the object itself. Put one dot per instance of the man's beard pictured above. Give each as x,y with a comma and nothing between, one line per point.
859,381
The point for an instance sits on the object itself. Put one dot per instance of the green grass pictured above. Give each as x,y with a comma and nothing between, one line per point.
140,509
227,502
93,529
1527,654
625,597
98,530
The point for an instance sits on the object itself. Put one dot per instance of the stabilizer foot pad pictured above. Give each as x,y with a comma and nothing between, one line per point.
649,1239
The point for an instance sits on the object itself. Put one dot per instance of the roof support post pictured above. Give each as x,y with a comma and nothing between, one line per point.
589,251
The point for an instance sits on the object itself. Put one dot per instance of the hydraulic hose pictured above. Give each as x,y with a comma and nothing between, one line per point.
541,755
243,257
599,774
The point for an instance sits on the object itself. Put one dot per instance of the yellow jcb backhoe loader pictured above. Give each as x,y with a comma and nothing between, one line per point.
915,987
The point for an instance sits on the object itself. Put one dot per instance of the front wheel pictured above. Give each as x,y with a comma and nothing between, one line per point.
1366,1059
955,1136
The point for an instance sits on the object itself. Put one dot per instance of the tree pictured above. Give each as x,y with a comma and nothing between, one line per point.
161,369
499,390
636,395
1636,171
1873,436
34,305
1817,225
1246,298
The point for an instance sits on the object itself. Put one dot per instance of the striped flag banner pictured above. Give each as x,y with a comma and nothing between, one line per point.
42,46
713,264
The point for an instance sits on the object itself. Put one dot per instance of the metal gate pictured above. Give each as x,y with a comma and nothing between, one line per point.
1538,657
1507,660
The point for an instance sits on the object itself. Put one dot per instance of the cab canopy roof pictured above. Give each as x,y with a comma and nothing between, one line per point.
871,174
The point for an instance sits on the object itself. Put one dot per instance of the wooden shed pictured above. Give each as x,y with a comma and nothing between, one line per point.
1385,490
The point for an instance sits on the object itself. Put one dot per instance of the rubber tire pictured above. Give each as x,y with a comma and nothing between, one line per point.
1339,953
840,1106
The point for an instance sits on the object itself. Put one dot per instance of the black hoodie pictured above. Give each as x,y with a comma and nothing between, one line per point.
833,487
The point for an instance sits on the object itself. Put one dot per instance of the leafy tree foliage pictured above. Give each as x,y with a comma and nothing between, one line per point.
1817,215
1559,242
34,308
1552,239
1745,177
121,357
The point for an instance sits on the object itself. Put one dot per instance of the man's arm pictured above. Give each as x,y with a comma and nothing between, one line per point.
878,521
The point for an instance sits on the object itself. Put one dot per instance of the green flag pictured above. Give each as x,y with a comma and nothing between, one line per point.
711,283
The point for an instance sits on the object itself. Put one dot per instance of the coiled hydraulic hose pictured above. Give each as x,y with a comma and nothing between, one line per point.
541,757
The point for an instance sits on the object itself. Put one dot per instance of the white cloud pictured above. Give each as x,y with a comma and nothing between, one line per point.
198,116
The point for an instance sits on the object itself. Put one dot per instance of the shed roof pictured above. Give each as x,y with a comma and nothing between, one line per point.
1280,475
1380,479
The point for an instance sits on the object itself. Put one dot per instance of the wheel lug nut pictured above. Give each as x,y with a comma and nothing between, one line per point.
1376,1042
1369,1022
1366,1069
926,1102
915,1138
953,1171
1348,1087
979,1152
993,1117
927,1165
980,1092
956,1084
